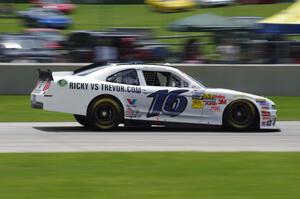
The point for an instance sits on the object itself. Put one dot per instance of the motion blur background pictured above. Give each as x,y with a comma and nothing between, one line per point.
173,31
247,45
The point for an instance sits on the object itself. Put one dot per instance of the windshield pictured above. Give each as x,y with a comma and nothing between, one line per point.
197,81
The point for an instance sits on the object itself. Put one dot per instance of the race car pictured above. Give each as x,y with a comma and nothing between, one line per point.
104,96
44,17
171,5
64,6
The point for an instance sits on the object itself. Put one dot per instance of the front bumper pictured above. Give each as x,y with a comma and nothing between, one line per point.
268,119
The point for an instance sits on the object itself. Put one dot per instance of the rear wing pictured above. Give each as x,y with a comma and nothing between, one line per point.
45,75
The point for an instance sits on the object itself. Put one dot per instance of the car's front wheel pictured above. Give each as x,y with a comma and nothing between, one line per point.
241,115
105,113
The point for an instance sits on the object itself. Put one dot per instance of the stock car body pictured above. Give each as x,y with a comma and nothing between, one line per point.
105,96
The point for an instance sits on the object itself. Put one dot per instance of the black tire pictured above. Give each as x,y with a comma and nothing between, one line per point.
105,113
240,115
81,119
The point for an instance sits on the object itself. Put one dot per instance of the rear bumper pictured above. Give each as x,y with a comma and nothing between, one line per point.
37,105
36,101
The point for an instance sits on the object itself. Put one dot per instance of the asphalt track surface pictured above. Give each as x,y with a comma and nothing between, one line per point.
71,137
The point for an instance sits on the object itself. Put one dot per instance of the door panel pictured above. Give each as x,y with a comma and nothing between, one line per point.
169,104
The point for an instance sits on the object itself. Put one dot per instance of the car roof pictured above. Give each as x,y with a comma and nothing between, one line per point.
102,68
151,67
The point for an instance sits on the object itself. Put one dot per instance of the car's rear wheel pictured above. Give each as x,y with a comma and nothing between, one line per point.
241,115
81,119
105,113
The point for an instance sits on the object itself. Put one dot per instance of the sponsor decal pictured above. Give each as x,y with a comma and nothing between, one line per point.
197,104
215,109
208,96
168,103
264,107
197,94
104,87
214,100
269,123
130,112
265,113
132,102
62,82
210,103
78,86
219,96
266,118
263,103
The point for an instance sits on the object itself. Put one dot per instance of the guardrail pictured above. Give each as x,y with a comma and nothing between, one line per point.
17,79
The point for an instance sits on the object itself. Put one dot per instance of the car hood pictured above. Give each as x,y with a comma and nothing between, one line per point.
236,94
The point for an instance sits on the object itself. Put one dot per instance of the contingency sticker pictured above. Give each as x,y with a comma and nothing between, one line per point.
62,82
197,103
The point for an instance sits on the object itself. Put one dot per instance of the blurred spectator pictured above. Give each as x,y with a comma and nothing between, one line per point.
127,49
192,52
105,51
229,52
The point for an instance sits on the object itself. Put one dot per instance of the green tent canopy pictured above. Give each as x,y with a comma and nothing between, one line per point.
211,23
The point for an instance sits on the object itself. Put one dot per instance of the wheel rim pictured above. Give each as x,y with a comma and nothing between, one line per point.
240,114
105,114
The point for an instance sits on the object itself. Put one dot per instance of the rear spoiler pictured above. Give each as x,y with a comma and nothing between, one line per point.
45,75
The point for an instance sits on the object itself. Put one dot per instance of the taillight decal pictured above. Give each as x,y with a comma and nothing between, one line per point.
46,87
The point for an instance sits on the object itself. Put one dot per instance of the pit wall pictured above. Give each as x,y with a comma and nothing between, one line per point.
267,80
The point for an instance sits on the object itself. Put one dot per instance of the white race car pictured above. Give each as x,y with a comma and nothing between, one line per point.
102,97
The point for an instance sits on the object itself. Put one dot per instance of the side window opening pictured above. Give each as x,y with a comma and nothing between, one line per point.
185,84
129,77
166,79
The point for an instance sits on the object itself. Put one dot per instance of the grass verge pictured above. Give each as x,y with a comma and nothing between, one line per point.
151,175
17,109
